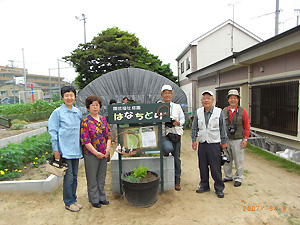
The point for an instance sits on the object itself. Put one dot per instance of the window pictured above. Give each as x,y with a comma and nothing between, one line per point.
275,107
188,63
182,67
221,100
2,93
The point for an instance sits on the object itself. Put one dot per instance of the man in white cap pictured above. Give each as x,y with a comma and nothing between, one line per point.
238,130
172,131
210,128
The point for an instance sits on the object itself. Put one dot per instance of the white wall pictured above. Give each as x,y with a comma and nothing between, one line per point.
217,45
188,91
182,76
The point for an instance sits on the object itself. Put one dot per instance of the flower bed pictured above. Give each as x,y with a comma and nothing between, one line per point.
31,152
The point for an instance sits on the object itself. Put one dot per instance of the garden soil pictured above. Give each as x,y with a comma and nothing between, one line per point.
268,195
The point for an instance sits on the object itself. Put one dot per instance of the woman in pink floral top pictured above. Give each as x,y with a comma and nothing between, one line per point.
96,140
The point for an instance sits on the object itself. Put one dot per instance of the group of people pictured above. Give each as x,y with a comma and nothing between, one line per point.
74,137
217,131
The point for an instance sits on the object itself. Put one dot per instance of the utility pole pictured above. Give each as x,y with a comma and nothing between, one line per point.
25,81
14,80
277,17
50,93
232,24
58,70
84,21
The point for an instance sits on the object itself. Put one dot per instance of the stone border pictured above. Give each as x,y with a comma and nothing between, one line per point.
40,186
20,137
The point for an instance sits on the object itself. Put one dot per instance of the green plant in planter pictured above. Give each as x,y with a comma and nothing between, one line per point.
137,174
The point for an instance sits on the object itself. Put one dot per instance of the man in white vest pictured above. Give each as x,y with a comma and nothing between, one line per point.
172,131
210,128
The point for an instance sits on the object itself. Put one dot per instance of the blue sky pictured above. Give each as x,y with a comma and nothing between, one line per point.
48,30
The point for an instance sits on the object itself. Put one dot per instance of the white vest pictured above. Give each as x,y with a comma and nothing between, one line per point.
211,133
174,112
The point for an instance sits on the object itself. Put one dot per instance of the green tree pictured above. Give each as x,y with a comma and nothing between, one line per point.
111,50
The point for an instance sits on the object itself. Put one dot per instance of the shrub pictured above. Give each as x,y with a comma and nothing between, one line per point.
18,124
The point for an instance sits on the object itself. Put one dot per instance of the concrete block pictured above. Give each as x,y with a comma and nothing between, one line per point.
296,156
39,186
37,125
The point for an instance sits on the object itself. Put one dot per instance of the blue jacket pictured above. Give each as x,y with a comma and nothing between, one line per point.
64,131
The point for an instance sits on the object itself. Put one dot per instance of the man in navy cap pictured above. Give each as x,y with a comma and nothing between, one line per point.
210,128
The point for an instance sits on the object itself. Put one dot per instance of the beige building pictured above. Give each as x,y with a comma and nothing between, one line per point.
267,75
11,92
43,81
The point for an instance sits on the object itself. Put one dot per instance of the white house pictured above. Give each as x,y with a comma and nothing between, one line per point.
216,44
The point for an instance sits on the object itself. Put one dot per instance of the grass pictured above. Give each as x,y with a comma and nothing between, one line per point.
274,159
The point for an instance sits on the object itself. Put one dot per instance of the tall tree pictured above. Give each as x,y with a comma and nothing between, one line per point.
111,50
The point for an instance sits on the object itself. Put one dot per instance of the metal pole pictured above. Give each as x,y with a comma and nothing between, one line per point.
277,17
58,79
84,21
14,90
12,71
232,28
50,94
25,81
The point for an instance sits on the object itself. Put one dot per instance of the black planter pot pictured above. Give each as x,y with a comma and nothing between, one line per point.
142,194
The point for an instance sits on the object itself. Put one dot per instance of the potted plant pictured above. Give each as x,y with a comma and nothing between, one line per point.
140,187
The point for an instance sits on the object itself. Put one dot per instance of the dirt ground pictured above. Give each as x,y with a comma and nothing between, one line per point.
265,188
4,133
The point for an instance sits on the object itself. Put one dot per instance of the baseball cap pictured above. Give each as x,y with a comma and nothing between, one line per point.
166,87
208,92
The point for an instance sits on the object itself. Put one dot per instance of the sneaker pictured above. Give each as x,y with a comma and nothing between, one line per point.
201,190
72,208
166,154
226,180
237,183
177,187
78,205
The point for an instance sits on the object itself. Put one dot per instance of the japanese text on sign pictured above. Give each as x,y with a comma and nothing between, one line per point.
139,113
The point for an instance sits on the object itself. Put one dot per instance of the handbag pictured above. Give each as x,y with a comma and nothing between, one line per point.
174,138
57,168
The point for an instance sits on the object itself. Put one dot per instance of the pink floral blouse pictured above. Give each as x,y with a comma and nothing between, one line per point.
94,132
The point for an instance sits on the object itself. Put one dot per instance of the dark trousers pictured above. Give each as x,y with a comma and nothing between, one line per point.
210,154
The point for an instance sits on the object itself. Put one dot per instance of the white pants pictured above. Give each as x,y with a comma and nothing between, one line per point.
236,154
